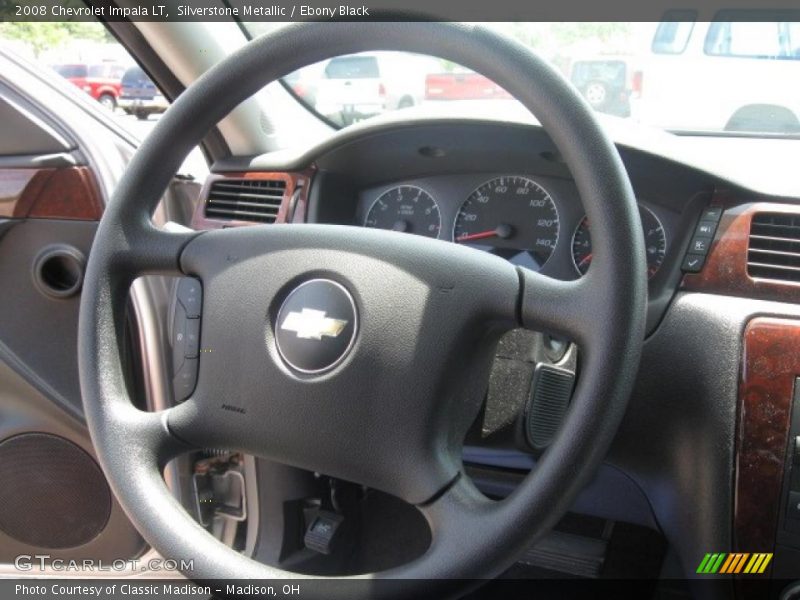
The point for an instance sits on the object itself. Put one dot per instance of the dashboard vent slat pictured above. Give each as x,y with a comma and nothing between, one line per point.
257,200
774,247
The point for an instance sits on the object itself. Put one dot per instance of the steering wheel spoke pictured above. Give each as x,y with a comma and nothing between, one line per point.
556,306
157,251
144,438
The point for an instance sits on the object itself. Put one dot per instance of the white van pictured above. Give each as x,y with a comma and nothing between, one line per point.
738,71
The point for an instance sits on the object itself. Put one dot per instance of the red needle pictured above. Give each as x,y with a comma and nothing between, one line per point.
477,236
586,258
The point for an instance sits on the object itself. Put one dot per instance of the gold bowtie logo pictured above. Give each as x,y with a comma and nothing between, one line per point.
310,324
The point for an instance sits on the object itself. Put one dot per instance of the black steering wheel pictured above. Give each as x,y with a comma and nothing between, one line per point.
397,331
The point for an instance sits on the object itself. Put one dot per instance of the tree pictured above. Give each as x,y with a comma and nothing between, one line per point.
41,36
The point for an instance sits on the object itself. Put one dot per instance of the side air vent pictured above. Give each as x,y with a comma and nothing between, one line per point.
255,200
774,250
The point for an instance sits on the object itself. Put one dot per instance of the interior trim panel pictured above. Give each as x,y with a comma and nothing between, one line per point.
50,193
770,364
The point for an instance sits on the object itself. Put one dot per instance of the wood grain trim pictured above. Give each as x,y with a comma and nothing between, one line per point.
291,203
725,271
770,364
50,193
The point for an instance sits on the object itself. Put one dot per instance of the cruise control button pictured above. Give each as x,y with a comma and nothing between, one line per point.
700,245
190,295
693,263
192,341
185,379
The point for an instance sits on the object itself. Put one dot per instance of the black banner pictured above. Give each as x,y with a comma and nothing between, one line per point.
182,589
383,10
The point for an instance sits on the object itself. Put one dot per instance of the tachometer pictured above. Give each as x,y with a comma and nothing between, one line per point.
511,216
655,241
406,208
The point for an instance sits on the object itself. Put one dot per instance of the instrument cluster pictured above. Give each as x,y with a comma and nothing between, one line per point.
531,221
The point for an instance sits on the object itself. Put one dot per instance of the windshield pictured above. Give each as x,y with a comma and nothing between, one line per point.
737,74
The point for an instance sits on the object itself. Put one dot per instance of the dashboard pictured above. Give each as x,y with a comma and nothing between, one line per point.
498,187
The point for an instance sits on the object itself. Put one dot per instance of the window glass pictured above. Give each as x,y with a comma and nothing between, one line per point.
674,32
794,39
752,39
90,58
352,67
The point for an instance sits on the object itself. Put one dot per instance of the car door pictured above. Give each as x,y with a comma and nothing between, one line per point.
56,501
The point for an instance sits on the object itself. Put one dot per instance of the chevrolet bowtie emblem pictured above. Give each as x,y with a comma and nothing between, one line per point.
310,324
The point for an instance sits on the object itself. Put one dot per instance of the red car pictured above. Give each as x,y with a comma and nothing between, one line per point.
101,81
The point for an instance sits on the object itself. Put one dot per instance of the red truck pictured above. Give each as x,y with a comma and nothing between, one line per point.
101,81
462,85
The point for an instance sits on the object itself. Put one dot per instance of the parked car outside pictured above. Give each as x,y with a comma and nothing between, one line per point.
140,96
101,81
746,72
358,86
605,82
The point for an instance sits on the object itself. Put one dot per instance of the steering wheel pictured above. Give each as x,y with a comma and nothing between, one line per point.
354,352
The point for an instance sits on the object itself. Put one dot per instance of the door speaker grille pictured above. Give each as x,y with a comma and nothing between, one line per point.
53,494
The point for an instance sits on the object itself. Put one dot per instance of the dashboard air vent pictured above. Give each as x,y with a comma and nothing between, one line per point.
774,250
255,200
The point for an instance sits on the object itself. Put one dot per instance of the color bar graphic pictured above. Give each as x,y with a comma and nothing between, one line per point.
734,563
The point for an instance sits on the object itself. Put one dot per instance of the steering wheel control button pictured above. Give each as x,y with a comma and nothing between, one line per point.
186,337
192,338
190,295
178,337
185,379
316,326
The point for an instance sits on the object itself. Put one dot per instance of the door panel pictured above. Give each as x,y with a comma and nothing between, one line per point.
55,498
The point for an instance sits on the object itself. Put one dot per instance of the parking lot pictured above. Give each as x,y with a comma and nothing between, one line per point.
194,165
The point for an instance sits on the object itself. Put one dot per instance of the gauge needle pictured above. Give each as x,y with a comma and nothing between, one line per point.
586,259
501,231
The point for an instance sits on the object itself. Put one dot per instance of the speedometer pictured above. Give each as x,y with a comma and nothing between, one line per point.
406,208
513,217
